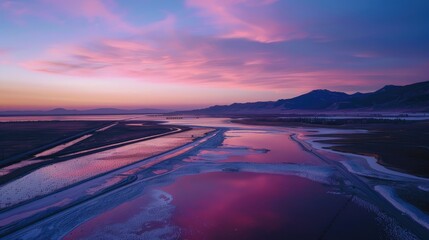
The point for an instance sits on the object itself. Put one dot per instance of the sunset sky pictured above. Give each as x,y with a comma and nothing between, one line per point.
194,53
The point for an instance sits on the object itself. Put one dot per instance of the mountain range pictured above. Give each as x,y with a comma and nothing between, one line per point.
390,98
97,111
409,98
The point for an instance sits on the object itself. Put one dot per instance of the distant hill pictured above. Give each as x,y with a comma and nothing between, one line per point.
97,111
409,98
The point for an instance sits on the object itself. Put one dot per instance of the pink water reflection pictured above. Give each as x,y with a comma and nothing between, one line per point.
119,214
251,206
56,176
281,149
235,205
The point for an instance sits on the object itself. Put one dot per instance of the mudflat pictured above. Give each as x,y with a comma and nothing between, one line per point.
117,133
71,139
20,137
398,144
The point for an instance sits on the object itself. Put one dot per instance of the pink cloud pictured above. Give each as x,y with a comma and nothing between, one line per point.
91,10
188,60
160,53
249,19
185,59
56,10
14,7
18,10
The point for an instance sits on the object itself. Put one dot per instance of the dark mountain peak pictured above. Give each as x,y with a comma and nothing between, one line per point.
105,109
415,87
61,111
57,110
413,97
357,94
316,94
388,88
314,100
321,91
419,84
324,92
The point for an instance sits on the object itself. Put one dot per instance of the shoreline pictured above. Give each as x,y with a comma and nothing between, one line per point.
417,215
372,162
87,166
129,170
16,173
165,163
405,207
399,146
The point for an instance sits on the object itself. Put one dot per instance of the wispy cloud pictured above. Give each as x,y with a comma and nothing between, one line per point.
56,10
176,57
250,19
264,44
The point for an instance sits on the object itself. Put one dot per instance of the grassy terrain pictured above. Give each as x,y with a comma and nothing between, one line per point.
19,137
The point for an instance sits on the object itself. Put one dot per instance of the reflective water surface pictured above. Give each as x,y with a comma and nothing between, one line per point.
247,204
241,182
242,205
279,148
53,177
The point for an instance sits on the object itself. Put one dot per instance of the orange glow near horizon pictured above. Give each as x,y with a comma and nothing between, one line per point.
196,53
86,93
